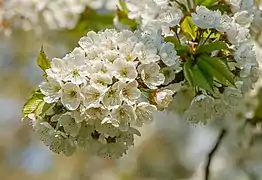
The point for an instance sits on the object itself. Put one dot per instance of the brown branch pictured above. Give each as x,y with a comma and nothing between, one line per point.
213,152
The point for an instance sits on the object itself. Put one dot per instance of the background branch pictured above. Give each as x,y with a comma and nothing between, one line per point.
213,152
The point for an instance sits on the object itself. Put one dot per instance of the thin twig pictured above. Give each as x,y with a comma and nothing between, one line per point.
177,36
207,38
213,152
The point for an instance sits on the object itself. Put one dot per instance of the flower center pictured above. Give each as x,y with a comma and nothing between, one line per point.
73,94
101,82
75,73
124,72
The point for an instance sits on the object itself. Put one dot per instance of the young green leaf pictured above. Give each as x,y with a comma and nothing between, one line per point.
208,48
188,27
216,68
202,79
42,60
42,108
32,103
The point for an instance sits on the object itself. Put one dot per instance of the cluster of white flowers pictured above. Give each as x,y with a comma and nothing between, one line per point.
152,14
103,89
166,14
235,28
55,14
110,85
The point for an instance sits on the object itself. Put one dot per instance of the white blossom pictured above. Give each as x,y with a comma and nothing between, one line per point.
71,96
144,113
205,18
245,55
163,98
101,67
91,39
244,18
92,96
100,81
96,114
51,89
130,92
150,75
57,69
200,110
170,17
124,114
124,71
112,96
168,54
232,96
69,124
45,131
146,54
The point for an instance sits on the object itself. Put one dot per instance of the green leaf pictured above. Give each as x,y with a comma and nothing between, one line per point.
217,68
32,103
208,48
196,77
206,3
202,79
187,69
42,60
189,28
42,108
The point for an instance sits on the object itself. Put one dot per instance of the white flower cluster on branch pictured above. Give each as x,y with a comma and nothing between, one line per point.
196,61
103,90
232,27
54,14
166,14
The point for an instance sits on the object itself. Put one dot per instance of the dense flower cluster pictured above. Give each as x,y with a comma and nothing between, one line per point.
167,14
55,14
103,89
199,63
244,64
232,27
154,14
